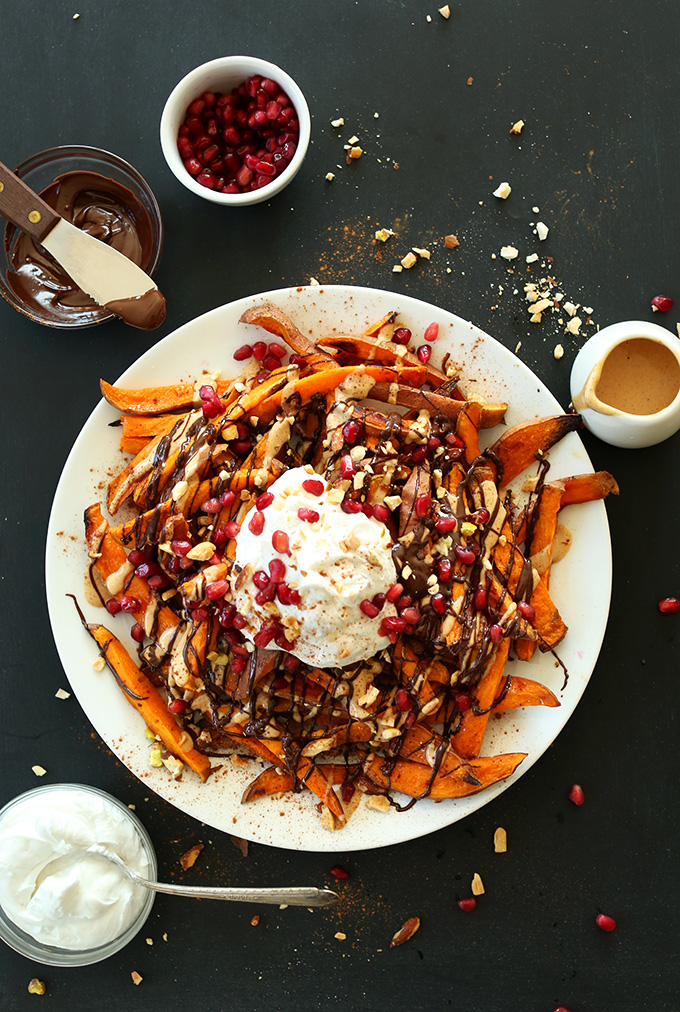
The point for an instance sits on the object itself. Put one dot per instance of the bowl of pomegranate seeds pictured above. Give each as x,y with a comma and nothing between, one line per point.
235,130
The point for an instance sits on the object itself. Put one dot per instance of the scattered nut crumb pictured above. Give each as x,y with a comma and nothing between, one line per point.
313,281
477,885
542,230
355,152
397,269
574,325
62,694
383,234
255,920
149,941
378,803
338,122
136,978
188,859
330,176
451,241
509,252
500,841
409,260
340,935
517,127
469,80
532,258
424,253
503,191
559,351
39,771
36,986
445,11
99,663
165,936
406,931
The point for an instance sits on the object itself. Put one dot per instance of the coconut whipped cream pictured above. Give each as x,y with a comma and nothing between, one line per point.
334,563
52,886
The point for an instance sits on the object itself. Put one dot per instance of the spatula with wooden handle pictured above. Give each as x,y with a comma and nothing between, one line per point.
107,276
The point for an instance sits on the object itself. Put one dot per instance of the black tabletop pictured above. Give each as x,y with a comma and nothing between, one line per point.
432,101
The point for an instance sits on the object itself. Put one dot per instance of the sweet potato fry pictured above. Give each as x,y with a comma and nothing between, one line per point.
273,779
418,781
580,488
275,321
420,400
523,692
542,526
143,695
155,400
516,449
467,741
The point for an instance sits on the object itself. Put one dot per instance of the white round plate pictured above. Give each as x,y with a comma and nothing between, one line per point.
580,584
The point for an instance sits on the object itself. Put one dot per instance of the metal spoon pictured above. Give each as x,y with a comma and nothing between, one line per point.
297,896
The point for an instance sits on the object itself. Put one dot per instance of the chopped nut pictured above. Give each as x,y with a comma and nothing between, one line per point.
469,80
353,140
477,885
338,122
383,234
62,694
467,529
201,552
500,841
559,351
451,241
149,941
542,230
445,11
156,757
340,935
39,771
503,191
574,325
425,253
36,986
330,176
509,252
313,281
409,260
397,269
406,931
255,920
570,308
536,318
517,127
532,258
99,663
136,978
378,803
188,859
355,152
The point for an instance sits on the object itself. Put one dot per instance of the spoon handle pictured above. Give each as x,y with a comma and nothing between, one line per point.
296,896
25,208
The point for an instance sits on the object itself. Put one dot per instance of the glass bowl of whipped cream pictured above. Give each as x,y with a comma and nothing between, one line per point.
61,902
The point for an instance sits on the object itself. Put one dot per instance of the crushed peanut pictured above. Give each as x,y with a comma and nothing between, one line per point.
338,122
36,986
477,886
136,978
409,260
406,931
559,351
340,935
517,127
39,771
445,11
188,859
509,252
500,841
503,191
62,694
378,803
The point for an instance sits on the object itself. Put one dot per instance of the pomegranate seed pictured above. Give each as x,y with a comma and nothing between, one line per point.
313,486
271,362
423,504
444,570
394,593
264,500
369,609
662,303
465,555
244,352
177,706
239,621
215,590
130,604
576,794
193,166
438,603
137,633
453,440
419,455
146,570
211,506
113,606
261,579
137,556
337,871
463,701
238,664
482,516
402,335
605,922
404,602
231,528
280,542
379,601
159,581
256,523
560,1008
225,616
433,443
381,513
267,594
351,432
311,516
468,903
444,524
211,409
392,624
432,332
347,466
276,349
481,597
287,595
277,570
228,498
526,610
196,107
241,446
424,353
495,633
350,506
669,605
411,615
367,509
403,701
259,351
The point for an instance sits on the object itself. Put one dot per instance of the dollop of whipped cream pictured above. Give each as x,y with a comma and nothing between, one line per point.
334,563
52,886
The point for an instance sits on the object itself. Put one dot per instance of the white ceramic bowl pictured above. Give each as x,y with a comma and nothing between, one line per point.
222,75
619,428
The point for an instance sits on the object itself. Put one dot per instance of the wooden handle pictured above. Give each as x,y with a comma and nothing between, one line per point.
25,208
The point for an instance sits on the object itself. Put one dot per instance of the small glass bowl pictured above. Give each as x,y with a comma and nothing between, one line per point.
39,171
52,955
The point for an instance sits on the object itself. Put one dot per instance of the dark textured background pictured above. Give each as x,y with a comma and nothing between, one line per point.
598,86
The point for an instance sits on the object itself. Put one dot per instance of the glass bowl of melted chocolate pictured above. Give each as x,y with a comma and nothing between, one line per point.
100,193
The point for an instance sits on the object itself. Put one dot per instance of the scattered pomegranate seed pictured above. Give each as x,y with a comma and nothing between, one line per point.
422,505
225,615
495,633
444,570
379,601
256,523
453,440
444,524
177,706
313,486
468,903
350,506
482,516
402,335
605,922
264,500
239,621
669,605
238,664
662,303
287,595
465,555
280,542
392,624
432,332
424,353
214,591
130,604
277,350
381,513
351,432
411,615
261,579
137,557
244,352
560,1008
265,635
277,570
347,466
137,633
367,509
463,701
337,871
180,547
405,601
259,351
526,610
211,506
394,592
113,606
369,609
311,516
438,603
433,443
576,794
403,701
231,528
267,593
